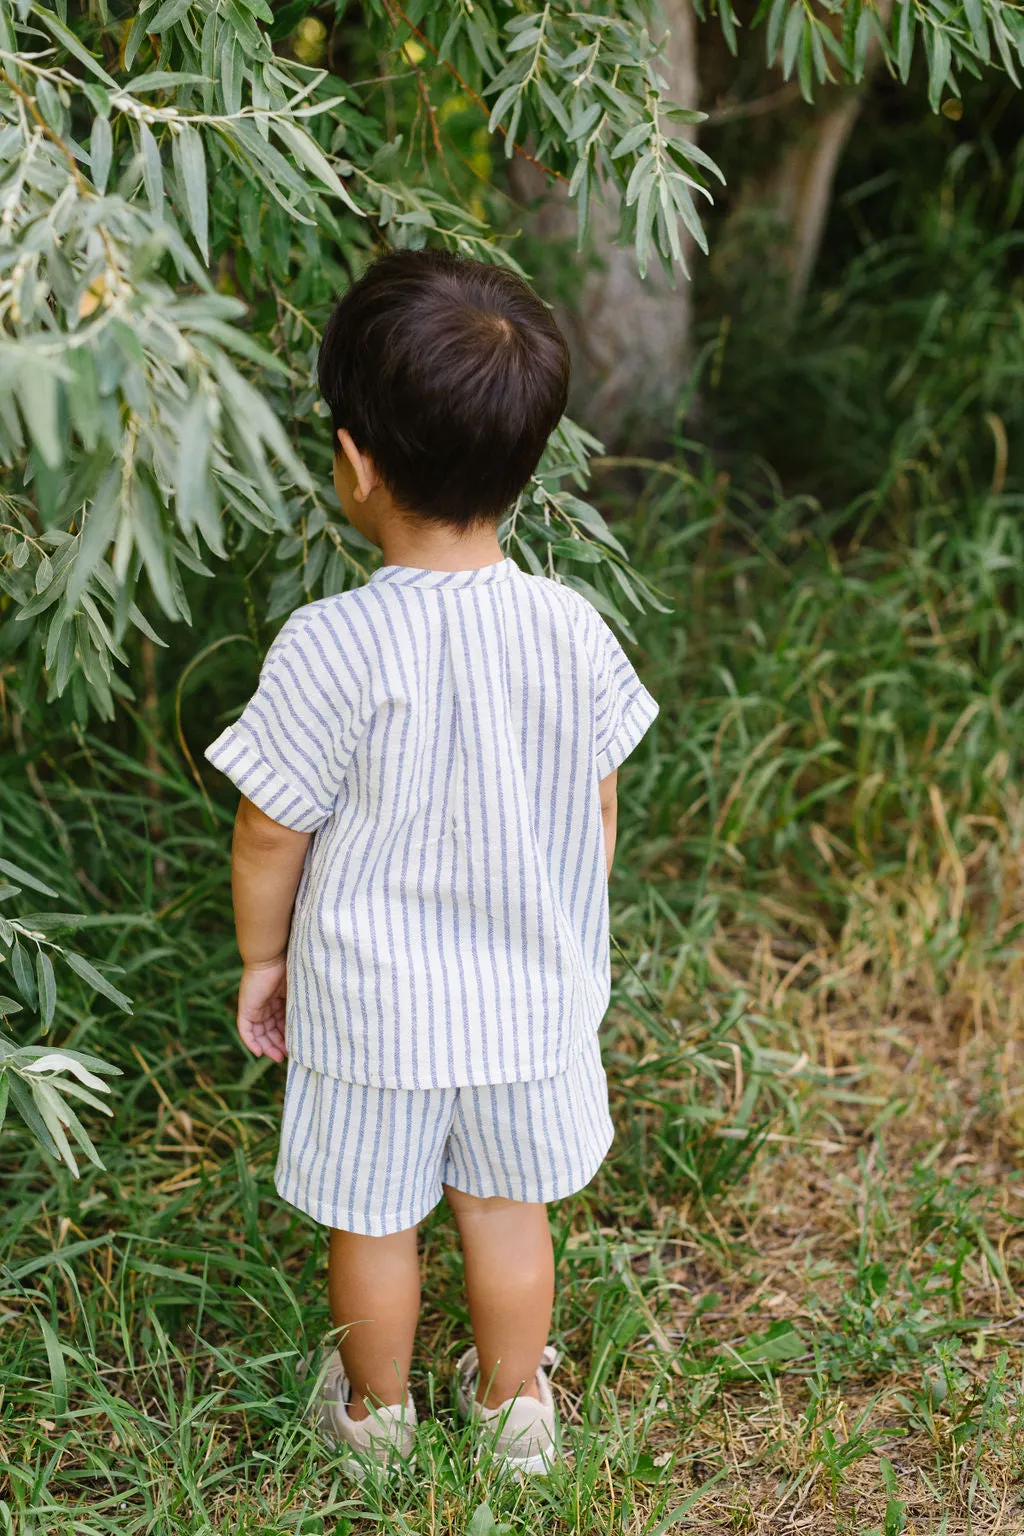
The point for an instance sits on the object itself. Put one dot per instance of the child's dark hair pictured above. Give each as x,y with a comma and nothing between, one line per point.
450,375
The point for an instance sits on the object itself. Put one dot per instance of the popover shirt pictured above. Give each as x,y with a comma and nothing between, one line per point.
442,734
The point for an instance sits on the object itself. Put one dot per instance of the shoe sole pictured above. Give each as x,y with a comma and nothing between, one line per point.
527,1466
360,1469
537,1465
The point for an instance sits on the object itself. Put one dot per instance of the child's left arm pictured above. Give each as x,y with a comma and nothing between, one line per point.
266,864
608,790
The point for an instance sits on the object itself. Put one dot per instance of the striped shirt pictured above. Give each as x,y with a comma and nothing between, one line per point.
443,734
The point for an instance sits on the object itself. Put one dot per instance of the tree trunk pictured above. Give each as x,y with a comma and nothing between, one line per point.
799,189
629,336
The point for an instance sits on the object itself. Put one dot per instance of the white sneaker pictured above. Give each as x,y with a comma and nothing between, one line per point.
522,1431
386,1435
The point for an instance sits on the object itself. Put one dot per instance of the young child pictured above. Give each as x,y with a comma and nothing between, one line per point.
421,854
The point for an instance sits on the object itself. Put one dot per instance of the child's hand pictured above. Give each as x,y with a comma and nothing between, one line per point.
261,1008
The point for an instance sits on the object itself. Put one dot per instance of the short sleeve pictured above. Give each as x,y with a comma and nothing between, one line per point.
288,750
623,709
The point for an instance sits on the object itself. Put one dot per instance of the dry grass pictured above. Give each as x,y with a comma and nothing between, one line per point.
889,1232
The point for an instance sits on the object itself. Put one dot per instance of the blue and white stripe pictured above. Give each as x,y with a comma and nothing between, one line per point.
374,1160
443,734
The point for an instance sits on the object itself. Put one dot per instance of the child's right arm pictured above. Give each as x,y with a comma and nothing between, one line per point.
266,864
287,753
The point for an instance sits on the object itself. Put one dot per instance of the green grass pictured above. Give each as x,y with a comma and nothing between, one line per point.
791,1299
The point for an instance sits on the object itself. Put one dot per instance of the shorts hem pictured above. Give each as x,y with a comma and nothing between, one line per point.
362,1225
559,1189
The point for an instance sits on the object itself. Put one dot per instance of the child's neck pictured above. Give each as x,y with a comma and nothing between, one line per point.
440,548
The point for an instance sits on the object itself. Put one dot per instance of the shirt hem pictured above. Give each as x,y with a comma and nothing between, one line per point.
488,1080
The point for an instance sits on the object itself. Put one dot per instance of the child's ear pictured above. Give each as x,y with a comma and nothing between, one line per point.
363,467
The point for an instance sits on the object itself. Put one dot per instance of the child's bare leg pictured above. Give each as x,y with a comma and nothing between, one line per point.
510,1285
374,1288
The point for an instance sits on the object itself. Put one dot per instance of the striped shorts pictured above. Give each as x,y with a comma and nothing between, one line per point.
373,1160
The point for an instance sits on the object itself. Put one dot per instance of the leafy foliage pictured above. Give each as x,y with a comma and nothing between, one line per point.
156,169
139,444
40,1081
832,42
